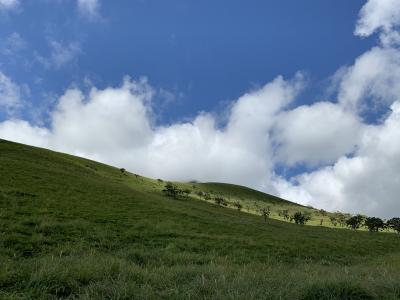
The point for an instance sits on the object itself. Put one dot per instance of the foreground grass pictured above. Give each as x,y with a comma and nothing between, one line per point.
72,228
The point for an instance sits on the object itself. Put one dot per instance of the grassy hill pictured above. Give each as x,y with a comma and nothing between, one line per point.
71,228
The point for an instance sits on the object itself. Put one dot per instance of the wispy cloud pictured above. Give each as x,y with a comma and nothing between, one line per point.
60,54
9,4
89,8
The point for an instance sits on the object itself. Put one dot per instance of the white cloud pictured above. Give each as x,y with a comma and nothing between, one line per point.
89,8
8,4
10,94
114,126
375,75
369,182
316,134
380,16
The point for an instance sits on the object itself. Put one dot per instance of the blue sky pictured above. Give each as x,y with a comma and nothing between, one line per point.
299,99
202,52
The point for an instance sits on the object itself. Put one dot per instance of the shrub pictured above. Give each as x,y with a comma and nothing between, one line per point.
333,220
238,205
265,212
301,218
220,201
394,223
355,222
285,214
374,224
171,190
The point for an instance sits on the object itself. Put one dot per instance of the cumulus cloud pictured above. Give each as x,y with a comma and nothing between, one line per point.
315,134
8,4
89,8
368,182
373,80
380,16
115,126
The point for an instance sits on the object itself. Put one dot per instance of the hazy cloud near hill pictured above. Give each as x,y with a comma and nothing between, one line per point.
354,162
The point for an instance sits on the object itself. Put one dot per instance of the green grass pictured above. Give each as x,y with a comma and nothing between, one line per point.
71,228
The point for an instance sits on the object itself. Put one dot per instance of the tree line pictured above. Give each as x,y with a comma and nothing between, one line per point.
373,224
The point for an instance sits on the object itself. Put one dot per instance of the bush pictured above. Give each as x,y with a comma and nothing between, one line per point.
355,222
374,224
394,223
265,212
171,190
301,218
220,201
238,205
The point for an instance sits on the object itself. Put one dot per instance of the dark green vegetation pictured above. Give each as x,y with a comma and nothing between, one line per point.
71,228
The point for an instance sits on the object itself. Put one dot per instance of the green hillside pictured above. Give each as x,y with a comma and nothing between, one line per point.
72,228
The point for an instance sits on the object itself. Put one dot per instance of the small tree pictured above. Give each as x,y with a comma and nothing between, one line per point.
355,222
285,214
342,218
265,212
220,201
333,220
238,205
122,170
321,222
186,192
301,218
322,212
374,224
171,190
207,196
394,223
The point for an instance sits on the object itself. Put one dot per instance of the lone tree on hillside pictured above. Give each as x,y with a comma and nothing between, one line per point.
333,220
301,218
355,222
285,214
171,190
374,224
220,201
122,170
394,223
265,212
238,205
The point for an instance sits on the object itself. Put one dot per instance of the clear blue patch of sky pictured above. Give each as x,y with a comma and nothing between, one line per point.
205,52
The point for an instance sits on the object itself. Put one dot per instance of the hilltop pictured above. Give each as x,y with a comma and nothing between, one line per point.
74,228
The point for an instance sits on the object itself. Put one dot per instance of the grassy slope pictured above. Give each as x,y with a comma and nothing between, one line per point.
74,228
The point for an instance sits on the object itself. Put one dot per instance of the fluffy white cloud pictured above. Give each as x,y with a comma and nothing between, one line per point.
10,94
316,134
368,182
23,132
8,4
89,8
373,80
380,16
114,126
